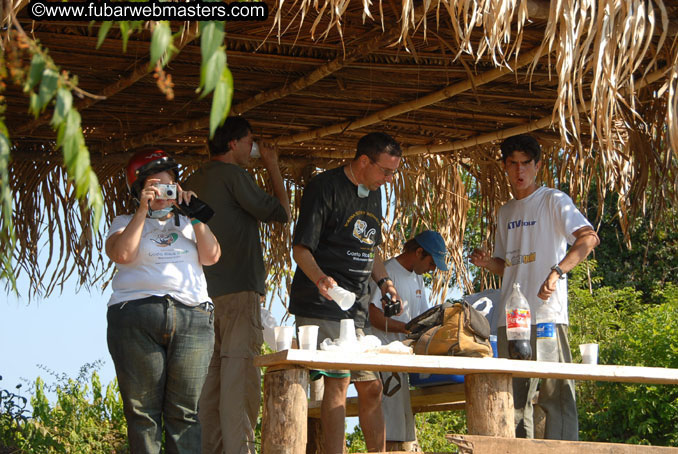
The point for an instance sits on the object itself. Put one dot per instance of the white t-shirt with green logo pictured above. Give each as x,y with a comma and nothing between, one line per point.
167,263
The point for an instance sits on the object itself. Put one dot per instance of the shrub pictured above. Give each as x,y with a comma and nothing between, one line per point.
630,412
83,419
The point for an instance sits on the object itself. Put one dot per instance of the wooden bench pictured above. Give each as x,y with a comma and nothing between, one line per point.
432,398
477,444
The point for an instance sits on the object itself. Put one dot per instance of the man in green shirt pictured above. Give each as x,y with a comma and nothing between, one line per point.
229,404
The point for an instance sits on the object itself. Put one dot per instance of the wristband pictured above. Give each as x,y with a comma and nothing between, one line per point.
317,283
382,281
195,221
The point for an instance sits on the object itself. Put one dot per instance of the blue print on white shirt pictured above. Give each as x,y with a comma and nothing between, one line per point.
520,223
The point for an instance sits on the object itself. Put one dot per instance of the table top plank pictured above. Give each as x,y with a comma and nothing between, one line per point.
462,365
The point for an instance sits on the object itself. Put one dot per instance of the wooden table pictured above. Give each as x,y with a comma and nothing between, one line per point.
488,386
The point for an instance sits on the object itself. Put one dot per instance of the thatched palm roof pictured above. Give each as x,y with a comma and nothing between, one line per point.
595,81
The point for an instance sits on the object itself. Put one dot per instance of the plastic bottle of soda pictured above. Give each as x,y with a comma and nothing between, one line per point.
518,321
547,344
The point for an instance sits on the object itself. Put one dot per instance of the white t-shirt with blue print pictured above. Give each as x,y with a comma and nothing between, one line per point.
532,235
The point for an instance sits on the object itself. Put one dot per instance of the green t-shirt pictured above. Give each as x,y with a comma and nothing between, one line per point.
239,205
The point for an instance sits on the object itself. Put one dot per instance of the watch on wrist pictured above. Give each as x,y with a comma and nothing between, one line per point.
382,281
559,270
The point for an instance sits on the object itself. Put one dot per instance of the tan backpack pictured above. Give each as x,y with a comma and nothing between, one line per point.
450,329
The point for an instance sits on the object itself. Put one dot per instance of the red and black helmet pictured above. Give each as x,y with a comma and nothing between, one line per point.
145,163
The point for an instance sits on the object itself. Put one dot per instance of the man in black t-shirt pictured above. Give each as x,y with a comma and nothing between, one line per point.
335,243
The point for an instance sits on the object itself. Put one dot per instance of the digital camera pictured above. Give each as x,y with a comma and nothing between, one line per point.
391,307
167,191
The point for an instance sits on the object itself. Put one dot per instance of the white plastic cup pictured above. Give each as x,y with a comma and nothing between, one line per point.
589,353
255,153
283,337
342,297
347,331
308,337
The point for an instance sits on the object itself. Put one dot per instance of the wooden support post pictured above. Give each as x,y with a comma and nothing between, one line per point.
315,437
283,429
489,405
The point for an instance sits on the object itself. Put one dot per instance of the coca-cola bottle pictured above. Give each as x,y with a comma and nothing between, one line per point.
518,321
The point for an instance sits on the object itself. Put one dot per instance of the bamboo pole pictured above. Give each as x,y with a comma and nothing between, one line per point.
320,73
113,89
432,98
522,129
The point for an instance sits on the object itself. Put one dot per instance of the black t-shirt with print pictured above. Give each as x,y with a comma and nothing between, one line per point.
342,232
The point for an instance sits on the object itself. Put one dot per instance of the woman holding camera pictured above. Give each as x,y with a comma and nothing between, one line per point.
160,325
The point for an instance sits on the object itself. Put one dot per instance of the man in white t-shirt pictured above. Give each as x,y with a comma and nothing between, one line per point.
533,232
422,254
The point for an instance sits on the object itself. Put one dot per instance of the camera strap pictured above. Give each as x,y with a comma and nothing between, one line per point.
389,390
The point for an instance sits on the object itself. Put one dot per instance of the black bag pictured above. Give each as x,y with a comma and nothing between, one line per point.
197,209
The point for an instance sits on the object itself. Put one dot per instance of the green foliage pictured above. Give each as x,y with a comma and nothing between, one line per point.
432,428
214,73
596,317
161,42
43,81
13,413
85,418
7,237
265,350
652,259
103,32
632,330
355,441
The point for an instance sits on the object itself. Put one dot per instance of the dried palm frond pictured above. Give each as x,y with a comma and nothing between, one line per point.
672,108
449,100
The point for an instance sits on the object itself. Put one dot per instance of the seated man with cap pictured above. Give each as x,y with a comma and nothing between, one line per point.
422,254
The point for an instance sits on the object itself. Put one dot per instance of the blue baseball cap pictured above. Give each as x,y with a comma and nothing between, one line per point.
433,243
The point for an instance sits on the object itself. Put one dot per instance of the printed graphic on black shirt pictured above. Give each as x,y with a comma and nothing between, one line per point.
361,233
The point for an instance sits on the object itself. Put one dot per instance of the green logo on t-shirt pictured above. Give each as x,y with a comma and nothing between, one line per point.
165,240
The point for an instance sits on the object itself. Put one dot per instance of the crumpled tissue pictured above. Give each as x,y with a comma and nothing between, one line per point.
367,343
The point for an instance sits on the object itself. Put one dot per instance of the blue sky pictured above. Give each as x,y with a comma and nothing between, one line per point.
62,333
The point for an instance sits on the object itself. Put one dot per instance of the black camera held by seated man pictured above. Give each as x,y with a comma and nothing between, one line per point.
391,307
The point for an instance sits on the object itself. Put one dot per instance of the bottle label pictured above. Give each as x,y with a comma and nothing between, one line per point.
546,330
518,318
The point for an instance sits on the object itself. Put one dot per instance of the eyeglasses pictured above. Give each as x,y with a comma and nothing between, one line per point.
386,171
